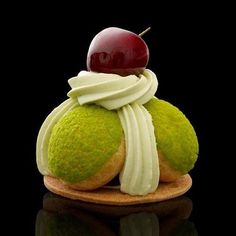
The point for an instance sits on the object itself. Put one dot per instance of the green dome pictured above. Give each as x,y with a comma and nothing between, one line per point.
175,135
82,141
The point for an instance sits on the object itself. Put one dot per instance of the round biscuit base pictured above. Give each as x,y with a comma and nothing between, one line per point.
107,196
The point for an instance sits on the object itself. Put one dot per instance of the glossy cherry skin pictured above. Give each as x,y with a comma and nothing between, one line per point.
117,51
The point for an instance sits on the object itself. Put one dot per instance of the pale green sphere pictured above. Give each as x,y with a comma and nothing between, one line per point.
175,135
83,140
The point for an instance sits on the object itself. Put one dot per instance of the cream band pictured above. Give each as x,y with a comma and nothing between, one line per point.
140,174
45,134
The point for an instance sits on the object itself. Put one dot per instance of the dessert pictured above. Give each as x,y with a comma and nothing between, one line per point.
113,125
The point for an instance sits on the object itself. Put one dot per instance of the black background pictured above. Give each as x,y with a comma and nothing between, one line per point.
48,45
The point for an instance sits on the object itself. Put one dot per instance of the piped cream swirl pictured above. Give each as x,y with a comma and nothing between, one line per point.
140,174
113,91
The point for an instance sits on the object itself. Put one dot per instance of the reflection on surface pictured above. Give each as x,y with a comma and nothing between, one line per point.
61,216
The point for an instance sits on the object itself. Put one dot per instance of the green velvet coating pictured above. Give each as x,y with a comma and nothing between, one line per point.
175,135
82,141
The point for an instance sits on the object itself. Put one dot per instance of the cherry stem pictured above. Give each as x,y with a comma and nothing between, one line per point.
144,32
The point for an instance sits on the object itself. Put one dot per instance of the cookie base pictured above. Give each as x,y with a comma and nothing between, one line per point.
107,196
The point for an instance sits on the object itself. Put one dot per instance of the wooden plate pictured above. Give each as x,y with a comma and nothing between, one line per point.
107,196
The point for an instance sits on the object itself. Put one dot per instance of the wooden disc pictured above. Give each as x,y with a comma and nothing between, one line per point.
107,196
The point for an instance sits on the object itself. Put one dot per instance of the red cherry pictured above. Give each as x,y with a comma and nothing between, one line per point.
118,51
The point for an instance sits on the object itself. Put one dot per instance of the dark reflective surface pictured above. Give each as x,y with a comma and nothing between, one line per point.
61,216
